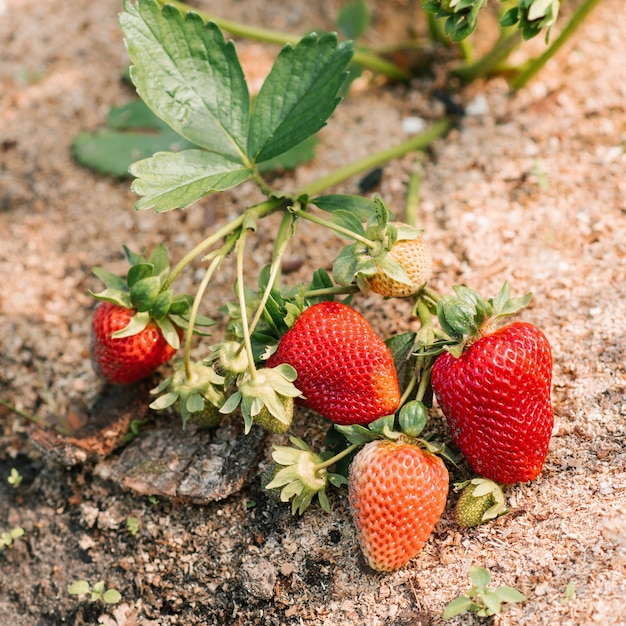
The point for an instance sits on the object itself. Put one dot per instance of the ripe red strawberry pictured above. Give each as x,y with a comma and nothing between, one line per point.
128,359
345,371
496,399
397,493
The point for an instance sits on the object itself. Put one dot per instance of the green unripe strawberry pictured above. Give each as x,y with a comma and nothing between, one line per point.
272,424
480,501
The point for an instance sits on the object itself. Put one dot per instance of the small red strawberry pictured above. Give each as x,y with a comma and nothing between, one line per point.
494,389
397,493
128,359
138,325
345,371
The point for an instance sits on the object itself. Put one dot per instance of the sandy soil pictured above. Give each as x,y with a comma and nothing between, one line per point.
530,187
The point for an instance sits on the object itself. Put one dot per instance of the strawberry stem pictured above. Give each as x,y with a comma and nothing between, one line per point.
215,263
331,226
241,246
331,291
282,241
351,448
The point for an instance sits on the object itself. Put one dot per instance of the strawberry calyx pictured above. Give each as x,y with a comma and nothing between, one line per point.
197,393
466,316
146,292
303,475
262,392
369,254
481,500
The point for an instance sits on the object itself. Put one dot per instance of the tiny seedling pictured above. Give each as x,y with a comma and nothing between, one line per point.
570,593
8,537
15,478
82,587
480,598
132,525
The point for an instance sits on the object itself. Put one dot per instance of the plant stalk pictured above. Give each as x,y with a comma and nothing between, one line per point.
536,64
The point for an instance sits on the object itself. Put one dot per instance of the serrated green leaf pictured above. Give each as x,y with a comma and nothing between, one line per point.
302,153
188,75
361,207
173,180
298,96
456,607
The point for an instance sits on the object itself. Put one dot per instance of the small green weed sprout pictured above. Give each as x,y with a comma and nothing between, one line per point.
8,537
480,598
132,525
82,587
15,478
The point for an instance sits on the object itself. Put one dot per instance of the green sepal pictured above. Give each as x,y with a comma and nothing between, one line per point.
357,434
138,272
412,418
136,324
144,292
170,334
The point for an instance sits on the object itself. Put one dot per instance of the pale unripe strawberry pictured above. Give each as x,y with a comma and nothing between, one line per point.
397,492
415,257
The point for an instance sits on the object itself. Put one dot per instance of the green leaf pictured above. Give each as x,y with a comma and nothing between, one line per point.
479,576
298,96
110,280
79,588
508,594
349,221
137,323
173,180
302,153
457,606
188,75
113,152
164,401
144,292
361,207
412,418
111,596
492,602
346,265
357,434
354,19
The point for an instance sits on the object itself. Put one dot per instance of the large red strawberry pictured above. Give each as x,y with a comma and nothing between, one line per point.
128,359
345,371
397,494
495,395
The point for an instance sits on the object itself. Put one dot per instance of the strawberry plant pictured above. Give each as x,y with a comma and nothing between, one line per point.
308,344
